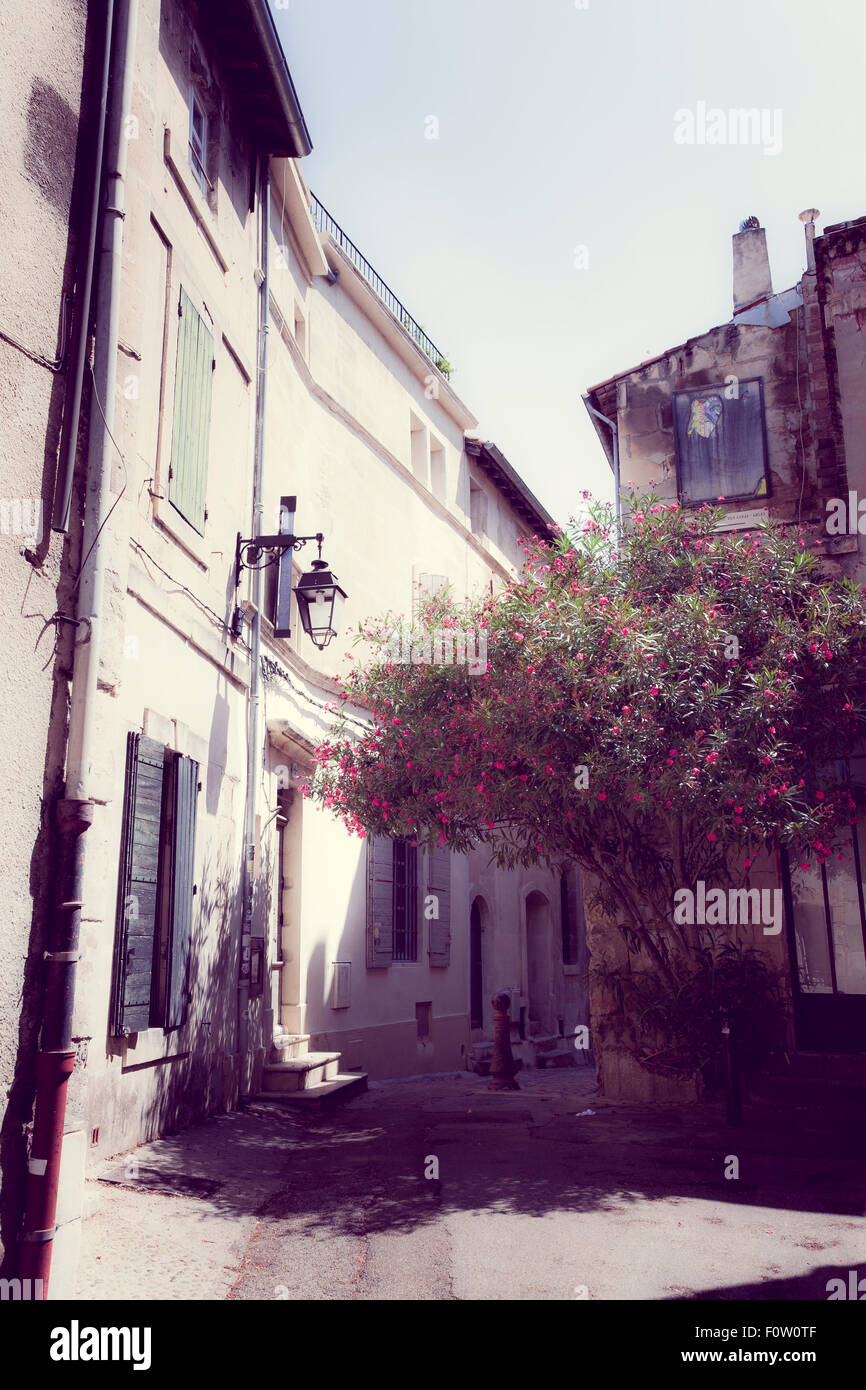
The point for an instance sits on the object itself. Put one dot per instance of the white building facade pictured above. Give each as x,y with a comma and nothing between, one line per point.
257,358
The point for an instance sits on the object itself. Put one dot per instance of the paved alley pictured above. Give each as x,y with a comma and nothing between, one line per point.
545,1193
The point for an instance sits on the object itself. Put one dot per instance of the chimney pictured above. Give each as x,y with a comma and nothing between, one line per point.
751,265
808,218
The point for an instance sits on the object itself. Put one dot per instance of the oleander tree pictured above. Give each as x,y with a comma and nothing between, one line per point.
659,711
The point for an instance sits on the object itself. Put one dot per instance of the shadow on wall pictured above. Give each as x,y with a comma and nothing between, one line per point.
203,1078
51,144
218,743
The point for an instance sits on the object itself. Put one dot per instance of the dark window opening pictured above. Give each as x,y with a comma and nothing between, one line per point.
405,901
568,924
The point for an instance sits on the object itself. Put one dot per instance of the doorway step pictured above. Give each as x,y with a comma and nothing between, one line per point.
295,1076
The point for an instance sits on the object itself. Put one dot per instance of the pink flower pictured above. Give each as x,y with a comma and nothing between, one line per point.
711,836
602,796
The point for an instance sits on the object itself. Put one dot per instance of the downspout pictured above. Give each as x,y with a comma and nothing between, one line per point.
72,406
56,1058
253,720
615,433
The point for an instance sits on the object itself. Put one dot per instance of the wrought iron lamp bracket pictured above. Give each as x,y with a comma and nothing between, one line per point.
248,553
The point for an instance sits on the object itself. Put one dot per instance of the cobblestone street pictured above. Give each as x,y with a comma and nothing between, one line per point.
535,1199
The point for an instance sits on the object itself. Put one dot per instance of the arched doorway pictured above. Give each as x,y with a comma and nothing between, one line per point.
477,918
538,964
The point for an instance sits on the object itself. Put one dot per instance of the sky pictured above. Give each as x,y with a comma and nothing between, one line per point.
524,178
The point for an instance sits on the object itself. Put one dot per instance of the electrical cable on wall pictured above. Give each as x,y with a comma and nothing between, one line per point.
55,365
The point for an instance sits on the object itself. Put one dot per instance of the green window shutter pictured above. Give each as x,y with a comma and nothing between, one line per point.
187,485
380,903
138,886
182,892
439,884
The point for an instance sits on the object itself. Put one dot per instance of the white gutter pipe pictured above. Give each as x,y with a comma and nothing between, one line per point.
254,709
615,433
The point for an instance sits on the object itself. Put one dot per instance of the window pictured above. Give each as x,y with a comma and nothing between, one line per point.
393,904
405,880
423,1020
155,889
418,449
438,477
568,925
829,911
198,143
300,325
720,441
477,508
187,485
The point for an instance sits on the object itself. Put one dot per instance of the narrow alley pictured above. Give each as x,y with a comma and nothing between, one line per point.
544,1193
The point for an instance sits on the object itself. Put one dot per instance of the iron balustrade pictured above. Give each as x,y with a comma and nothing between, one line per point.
325,223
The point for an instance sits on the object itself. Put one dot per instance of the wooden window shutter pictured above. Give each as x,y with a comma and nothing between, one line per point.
439,884
430,584
138,885
380,902
191,427
182,891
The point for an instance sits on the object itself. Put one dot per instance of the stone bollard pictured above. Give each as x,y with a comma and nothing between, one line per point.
502,1066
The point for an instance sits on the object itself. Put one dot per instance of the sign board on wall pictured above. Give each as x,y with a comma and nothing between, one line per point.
743,521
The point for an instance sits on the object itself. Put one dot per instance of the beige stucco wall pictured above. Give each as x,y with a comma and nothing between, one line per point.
169,668
340,406
40,96
340,403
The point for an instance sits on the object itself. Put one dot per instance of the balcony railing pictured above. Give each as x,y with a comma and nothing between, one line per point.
325,223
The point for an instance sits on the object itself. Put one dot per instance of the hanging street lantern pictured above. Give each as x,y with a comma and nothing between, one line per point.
320,603
320,598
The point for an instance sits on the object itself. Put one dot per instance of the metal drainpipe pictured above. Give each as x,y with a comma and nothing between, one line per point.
75,812
253,751
72,405
615,432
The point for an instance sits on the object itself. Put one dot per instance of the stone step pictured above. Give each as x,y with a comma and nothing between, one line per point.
322,1094
300,1073
545,1042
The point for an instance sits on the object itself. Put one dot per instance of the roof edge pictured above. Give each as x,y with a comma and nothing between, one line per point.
496,465
269,40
